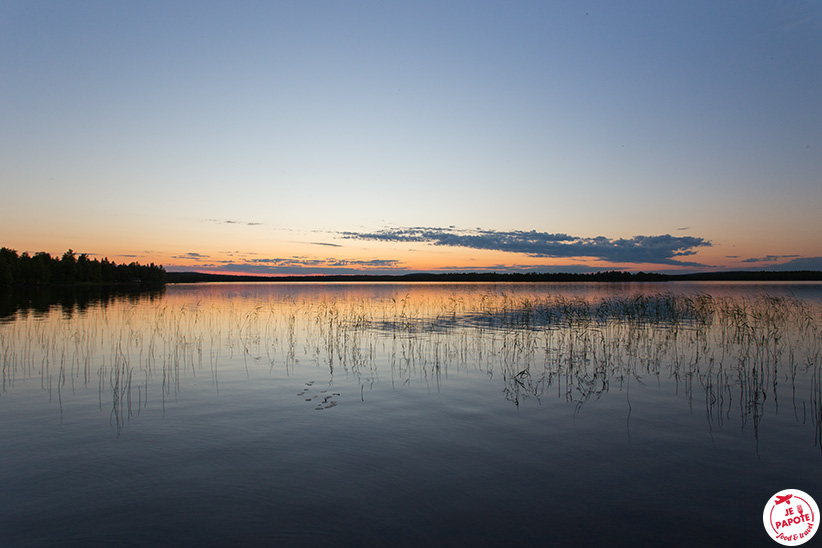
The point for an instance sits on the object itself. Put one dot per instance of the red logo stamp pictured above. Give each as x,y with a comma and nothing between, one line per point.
791,517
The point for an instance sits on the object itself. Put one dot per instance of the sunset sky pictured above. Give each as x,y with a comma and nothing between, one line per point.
313,137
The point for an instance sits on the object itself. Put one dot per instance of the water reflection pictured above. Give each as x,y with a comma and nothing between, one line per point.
70,299
733,358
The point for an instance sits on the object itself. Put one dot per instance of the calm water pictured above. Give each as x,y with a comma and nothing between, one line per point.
409,414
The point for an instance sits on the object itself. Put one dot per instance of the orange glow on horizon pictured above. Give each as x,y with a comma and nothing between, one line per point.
210,250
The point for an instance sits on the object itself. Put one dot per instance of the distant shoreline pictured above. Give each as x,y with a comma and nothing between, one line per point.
610,276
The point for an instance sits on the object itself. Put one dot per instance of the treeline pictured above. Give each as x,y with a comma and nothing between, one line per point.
42,268
611,276
608,276
621,276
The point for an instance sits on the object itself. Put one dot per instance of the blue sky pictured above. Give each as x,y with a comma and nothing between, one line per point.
280,137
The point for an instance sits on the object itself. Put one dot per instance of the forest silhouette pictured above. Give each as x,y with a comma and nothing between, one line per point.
42,268
494,277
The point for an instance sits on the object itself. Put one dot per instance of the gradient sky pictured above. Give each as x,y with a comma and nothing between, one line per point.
338,137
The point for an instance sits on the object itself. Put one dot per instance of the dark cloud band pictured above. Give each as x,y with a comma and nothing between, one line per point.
640,249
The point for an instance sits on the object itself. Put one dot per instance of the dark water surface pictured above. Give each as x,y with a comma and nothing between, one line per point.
409,414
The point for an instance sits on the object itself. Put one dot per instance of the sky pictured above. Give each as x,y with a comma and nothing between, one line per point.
316,137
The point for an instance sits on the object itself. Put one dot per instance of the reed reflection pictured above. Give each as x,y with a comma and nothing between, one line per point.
736,358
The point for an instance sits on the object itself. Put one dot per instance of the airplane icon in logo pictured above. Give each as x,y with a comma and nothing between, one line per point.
780,500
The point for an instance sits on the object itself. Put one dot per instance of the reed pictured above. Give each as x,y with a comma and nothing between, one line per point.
730,355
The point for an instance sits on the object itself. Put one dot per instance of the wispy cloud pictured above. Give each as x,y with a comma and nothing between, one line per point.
236,252
309,265
250,262
768,258
663,249
232,222
523,268
795,24
312,261
191,256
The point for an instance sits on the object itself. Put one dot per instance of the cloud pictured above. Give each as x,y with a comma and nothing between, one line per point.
311,261
801,263
639,249
796,23
309,265
295,265
221,221
524,269
768,258
232,222
237,252
191,256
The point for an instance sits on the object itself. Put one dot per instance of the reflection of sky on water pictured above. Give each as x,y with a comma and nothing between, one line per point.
398,400
529,334
436,290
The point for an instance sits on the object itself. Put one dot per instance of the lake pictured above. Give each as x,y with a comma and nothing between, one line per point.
393,414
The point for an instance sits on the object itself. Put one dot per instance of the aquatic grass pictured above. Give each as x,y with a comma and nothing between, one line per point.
727,354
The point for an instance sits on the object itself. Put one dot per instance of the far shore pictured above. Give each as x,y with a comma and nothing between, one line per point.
610,276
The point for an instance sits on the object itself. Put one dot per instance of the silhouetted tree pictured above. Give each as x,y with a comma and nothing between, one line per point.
12,260
35,269
5,271
68,265
42,268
